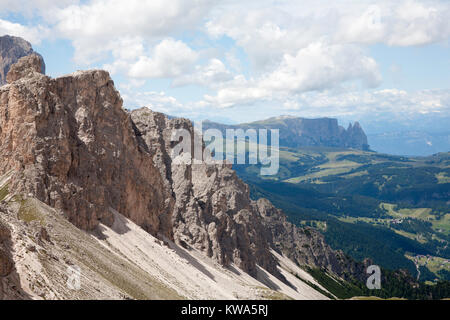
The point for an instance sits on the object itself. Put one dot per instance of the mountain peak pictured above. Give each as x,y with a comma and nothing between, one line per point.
26,67
11,50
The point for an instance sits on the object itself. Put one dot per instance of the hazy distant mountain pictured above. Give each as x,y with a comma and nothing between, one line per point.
414,143
300,132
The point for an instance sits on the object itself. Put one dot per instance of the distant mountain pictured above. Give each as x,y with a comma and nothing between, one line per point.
11,50
300,132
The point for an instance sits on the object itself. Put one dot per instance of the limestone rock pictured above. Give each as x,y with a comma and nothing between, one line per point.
72,146
11,50
69,143
26,67
355,137
6,263
305,246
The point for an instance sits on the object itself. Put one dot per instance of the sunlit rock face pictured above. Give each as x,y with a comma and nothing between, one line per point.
71,144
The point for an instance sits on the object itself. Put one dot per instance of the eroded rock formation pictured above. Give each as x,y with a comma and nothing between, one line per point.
11,50
71,144
6,263
213,211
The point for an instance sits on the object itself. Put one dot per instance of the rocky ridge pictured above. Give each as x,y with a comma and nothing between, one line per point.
300,132
68,143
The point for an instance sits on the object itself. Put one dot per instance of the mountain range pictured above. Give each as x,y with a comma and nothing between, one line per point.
300,132
87,185
93,205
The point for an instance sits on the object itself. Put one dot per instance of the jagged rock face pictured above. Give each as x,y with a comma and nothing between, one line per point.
212,211
355,137
6,263
11,50
25,68
71,144
305,246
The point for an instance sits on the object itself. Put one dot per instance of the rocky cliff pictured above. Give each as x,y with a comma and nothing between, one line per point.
300,132
11,50
69,143
213,211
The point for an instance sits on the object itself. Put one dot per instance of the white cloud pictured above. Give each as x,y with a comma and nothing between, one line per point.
31,34
95,26
124,52
268,31
170,58
231,96
402,23
34,7
156,101
296,55
320,66
398,103
213,74
316,67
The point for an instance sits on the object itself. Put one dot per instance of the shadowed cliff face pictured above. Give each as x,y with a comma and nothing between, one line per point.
6,264
72,145
11,50
213,211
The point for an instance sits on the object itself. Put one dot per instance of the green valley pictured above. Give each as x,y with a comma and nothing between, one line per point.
386,208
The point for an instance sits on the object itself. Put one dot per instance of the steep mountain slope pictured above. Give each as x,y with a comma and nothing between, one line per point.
118,262
70,150
299,132
213,211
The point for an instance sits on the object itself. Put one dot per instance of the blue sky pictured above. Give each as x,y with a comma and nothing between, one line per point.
236,61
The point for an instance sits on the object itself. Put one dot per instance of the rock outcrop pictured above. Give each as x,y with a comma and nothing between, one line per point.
6,263
71,144
11,50
305,246
300,132
26,67
6,260
213,211
354,137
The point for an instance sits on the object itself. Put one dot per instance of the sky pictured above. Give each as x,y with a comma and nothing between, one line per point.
235,61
